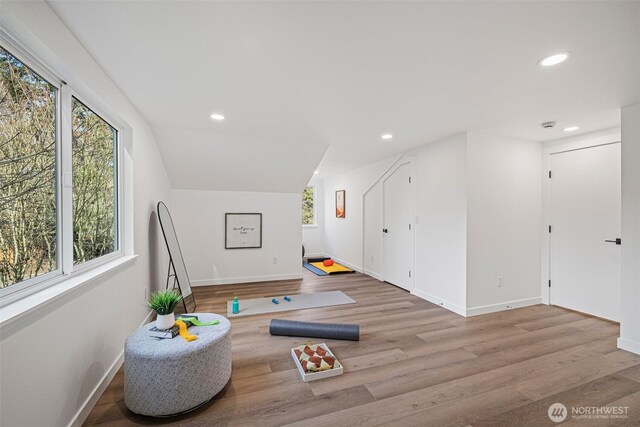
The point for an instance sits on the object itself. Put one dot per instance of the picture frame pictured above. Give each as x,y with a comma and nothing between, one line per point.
243,231
341,204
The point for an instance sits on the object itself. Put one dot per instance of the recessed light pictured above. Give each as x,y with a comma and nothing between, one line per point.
554,59
387,136
316,172
571,128
218,117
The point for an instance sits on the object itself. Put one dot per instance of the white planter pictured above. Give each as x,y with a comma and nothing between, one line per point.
165,321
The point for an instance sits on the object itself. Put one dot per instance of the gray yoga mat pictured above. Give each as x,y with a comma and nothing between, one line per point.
298,301
292,328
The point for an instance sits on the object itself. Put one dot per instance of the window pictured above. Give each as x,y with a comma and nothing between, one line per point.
308,206
52,172
94,151
28,237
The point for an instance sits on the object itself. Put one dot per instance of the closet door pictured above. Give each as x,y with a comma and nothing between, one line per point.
585,209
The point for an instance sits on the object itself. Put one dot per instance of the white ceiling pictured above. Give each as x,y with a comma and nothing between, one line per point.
294,77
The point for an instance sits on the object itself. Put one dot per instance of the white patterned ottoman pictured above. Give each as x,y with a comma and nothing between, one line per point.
165,377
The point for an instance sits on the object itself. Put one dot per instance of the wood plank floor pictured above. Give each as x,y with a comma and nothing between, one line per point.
416,364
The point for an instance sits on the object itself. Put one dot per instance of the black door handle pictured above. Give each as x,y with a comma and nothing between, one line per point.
617,241
384,230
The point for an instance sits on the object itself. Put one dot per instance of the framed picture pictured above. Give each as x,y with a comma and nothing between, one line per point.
242,230
340,204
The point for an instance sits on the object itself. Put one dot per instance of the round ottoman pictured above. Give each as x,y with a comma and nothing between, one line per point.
165,377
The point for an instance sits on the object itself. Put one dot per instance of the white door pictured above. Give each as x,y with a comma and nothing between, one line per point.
585,212
398,228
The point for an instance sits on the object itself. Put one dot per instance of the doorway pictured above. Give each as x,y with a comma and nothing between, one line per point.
585,213
398,228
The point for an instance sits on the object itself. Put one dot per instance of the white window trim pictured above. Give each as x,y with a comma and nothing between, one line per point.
67,198
315,209
29,294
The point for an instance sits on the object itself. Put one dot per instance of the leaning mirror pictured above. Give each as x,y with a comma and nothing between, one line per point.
177,270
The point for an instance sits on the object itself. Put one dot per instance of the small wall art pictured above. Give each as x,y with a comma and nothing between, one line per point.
340,204
243,230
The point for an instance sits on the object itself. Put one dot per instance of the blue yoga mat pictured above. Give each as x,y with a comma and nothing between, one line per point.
313,269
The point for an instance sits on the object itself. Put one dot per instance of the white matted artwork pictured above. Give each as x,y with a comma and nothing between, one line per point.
243,230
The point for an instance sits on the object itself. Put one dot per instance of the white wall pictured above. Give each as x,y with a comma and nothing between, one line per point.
344,236
504,218
478,216
199,221
313,235
630,323
441,228
51,364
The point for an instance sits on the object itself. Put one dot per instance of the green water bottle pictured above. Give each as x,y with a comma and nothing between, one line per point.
235,306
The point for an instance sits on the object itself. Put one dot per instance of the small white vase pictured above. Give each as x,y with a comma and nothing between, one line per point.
165,321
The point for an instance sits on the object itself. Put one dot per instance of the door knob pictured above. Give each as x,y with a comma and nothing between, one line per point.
384,230
617,241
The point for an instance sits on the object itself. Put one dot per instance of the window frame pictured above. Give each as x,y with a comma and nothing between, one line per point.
68,256
315,221
65,269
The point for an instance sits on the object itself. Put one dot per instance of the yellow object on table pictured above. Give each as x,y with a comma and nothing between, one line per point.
184,332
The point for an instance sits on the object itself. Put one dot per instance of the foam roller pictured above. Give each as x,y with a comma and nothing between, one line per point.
338,331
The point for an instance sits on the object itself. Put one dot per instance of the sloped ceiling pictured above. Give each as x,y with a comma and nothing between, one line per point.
294,78
202,160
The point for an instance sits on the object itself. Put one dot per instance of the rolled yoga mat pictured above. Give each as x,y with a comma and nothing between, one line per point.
338,331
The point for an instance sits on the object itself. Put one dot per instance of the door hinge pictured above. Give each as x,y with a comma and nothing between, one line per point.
549,283
549,229
409,180
409,226
549,174
409,273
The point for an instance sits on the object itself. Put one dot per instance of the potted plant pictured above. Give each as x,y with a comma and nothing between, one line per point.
164,303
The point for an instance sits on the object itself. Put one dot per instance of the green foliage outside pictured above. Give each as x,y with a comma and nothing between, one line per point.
27,173
94,208
164,302
307,206
28,213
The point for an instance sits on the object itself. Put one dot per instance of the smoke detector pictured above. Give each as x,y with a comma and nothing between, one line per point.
548,125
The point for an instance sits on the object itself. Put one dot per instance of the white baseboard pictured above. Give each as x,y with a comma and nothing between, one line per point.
441,302
248,279
507,305
81,416
476,311
373,274
629,345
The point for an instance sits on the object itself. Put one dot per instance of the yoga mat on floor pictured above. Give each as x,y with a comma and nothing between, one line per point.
292,328
314,270
315,265
298,301
332,269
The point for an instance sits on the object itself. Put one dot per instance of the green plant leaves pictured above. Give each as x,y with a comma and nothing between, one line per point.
164,302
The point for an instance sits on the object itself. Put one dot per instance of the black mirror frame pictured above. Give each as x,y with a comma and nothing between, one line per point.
189,300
